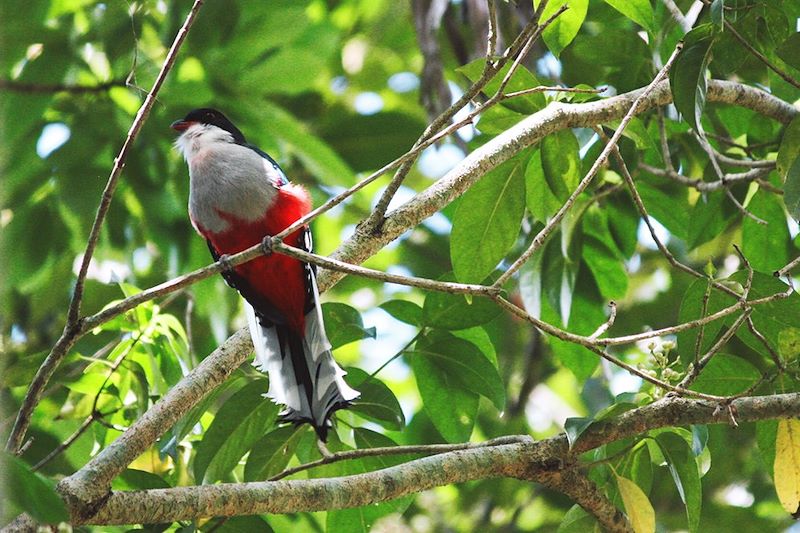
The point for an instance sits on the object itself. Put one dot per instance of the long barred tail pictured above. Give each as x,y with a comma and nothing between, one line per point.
302,373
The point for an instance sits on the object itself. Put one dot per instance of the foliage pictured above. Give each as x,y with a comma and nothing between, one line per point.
329,89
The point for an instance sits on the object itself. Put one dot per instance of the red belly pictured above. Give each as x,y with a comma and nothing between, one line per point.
280,279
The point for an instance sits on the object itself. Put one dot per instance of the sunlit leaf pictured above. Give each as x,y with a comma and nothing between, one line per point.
404,311
564,28
639,11
487,222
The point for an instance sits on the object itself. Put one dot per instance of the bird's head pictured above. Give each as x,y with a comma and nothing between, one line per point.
205,126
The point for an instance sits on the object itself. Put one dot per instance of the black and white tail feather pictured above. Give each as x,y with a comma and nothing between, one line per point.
302,373
303,376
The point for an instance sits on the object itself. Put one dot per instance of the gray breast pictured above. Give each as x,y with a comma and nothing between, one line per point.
229,178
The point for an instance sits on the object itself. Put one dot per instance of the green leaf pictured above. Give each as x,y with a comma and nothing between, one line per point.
608,270
574,427
692,309
683,468
539,197
765,246
576,520
481,339
671,210
789,50
770,318
272,452
377,401
450,406
709,217
463,361
169,442
238,424
242,524
789,149
561,162
487,222
639,11
789,343
791,190
687,77
726,375
343,324
30,492
453,311
718,14
404,311
132,479
564,28
559,275
635,131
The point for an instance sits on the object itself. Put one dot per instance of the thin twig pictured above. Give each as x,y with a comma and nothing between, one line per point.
788,268
40,88
72,328
410,281
428,449
591,345
527,36
664,142
761,57
608,323
700,364
707,186
551,225
764,342
677,14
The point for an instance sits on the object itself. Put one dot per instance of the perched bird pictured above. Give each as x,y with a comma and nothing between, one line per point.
238,195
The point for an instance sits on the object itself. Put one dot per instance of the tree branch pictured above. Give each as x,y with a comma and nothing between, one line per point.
554,117
72,328
526,460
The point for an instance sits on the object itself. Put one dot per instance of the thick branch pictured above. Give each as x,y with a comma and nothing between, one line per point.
529,131
527,460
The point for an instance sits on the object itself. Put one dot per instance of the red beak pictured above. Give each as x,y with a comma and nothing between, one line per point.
180,125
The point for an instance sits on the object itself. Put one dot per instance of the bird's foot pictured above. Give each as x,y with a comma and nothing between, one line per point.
225,262
266,245
323,449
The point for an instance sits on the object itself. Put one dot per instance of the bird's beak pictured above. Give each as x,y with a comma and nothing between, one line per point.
181,125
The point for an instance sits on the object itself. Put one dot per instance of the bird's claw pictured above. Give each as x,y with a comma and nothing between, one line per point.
266,245
225,262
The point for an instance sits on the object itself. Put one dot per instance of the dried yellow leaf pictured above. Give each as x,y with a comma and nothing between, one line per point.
787,464
637,506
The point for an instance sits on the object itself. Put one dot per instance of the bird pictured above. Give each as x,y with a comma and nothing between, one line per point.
239,197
